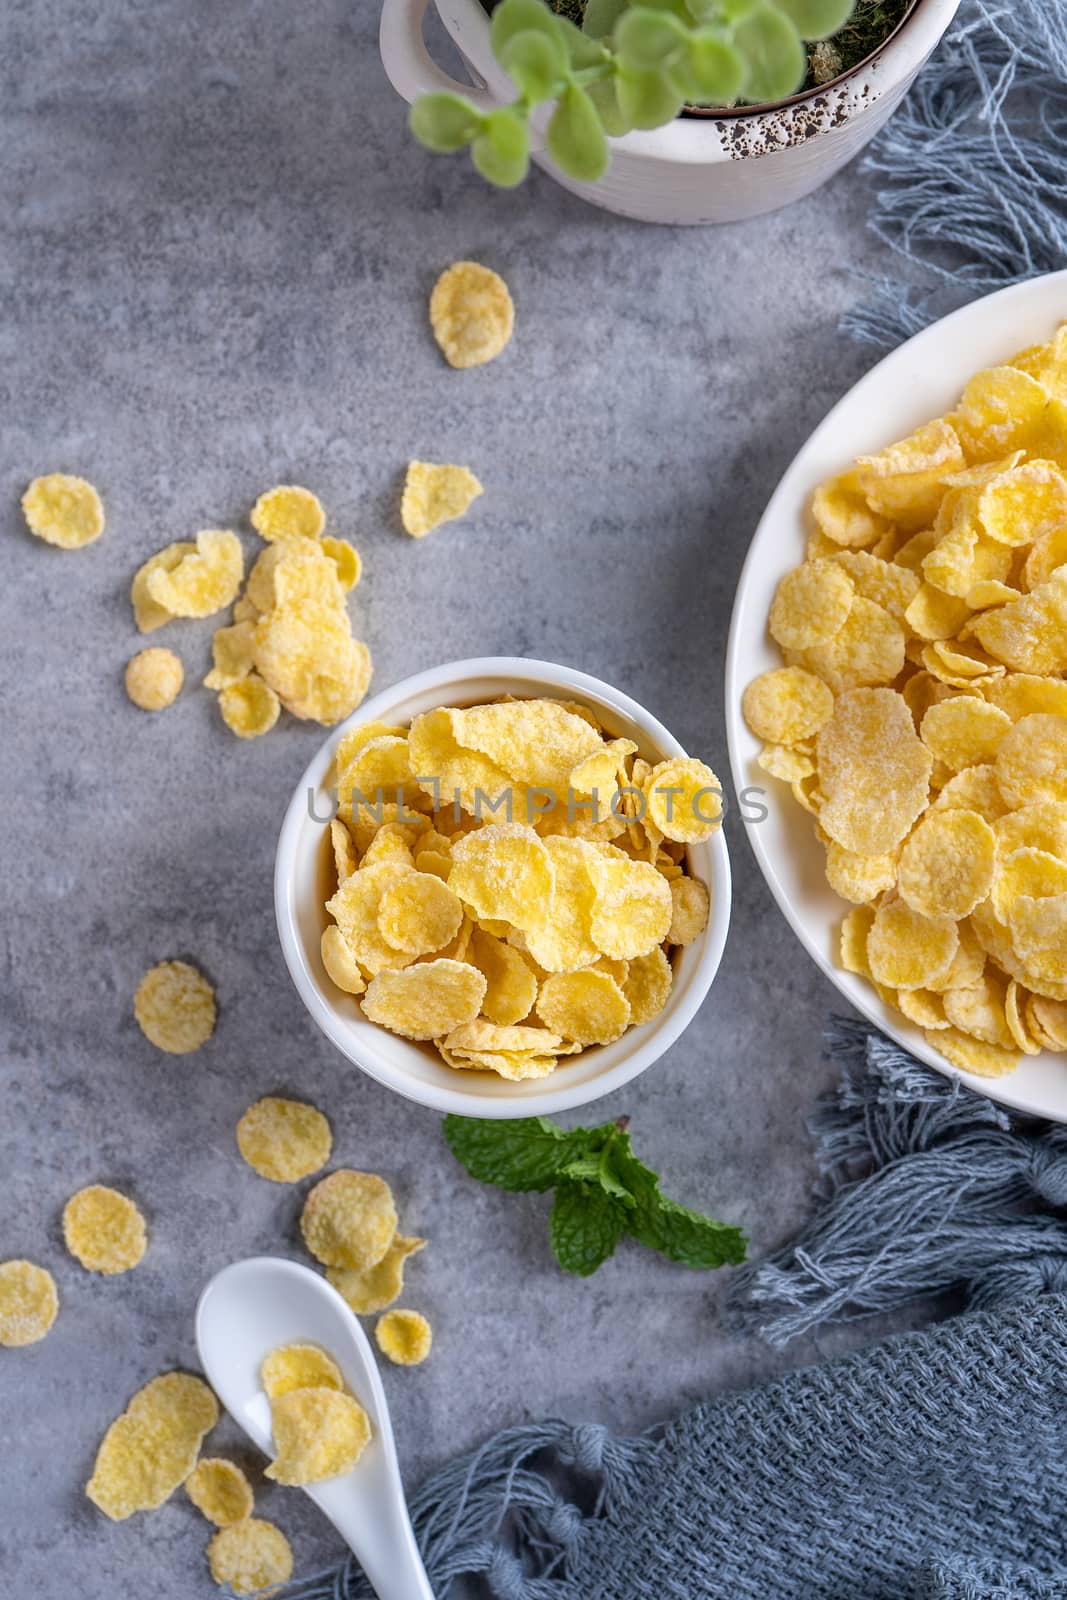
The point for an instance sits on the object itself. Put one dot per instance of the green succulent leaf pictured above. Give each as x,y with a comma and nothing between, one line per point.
817,19
601,16
732,11
605,99
535,63
501,152
582,50
649,40
773,49
576,140
520,16
444,122
647,99
712,71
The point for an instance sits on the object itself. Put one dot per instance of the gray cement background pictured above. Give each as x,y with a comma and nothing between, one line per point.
218,242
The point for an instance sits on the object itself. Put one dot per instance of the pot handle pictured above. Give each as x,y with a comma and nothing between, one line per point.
408,64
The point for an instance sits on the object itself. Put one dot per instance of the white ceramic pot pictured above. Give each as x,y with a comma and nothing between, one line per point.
696,169
302,882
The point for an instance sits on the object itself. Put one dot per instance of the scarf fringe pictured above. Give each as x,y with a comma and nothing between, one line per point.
972,168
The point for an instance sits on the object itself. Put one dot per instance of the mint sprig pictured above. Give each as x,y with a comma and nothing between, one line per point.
602,1190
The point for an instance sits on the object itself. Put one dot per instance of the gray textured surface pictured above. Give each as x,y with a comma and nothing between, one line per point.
218,243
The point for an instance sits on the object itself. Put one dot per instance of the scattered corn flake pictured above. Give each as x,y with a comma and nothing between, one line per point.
288,512
647,985
874,771
435,493
342,968
684,800
346,559
1032,760
305,651
250,1556
633,908
220,1491
377,1287
63,511
906,950
318,1434
787,705
147,612
203,581
104,1230
249,708
811,605
690,908
587,1007
284,1140
349,1220
868,650
28,1303
151,1449
972,1055
419,914
154,678
404,1336
471,314
299,1366
425,1001
175,1007
232,651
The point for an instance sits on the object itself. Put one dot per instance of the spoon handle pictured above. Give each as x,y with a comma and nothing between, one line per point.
375,1524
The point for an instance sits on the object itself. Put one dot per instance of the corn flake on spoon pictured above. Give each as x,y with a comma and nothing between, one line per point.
256,1306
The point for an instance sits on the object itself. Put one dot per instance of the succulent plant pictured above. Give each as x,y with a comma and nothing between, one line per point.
632,64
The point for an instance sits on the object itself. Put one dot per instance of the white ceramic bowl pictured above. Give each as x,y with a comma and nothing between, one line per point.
922,379
694,169
302,883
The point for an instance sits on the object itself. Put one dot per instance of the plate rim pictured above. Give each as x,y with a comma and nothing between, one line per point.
781,506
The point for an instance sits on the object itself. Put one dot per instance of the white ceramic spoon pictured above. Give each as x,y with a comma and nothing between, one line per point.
247,1311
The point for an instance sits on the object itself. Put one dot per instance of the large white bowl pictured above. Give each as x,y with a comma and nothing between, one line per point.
696,169
922,379
302,883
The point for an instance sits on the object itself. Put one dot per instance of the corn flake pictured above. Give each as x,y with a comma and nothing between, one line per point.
425,1001
346,559
203,581
973,1055
811,605
288,512
63,511
175,1007
349,1220
419,914
377,1287
907,950
690,908
284,1140
342,968
868,650
318,1434
147,612
104,1230
404,1336
588,1007
250,1556
684,800
647,985
471,313
964,731
299,1366
28,1303
874,771
510,982
503,872
536,742
633,908
1032,760
220,1491
355,908
249,708
434,494
151,1449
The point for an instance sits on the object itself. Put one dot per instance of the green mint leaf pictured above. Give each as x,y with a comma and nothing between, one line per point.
584,1228
685,1236
599,1164
530,1153
817,19
575,139
501,152
444,122
535,63
773,51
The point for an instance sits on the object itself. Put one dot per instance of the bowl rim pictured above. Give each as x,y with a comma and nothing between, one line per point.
662,1031
1008,319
